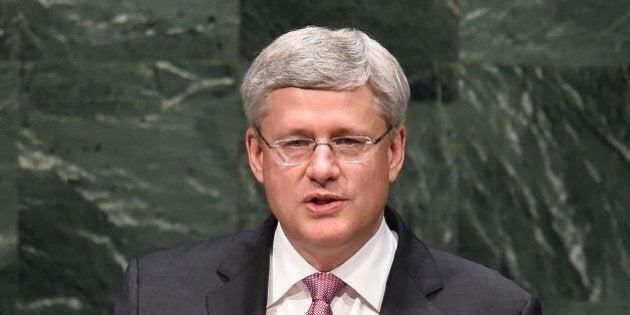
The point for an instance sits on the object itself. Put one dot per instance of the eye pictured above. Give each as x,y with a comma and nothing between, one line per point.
296,144
348,141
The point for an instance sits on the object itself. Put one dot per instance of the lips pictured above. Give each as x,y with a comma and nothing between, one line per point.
319,198
323,203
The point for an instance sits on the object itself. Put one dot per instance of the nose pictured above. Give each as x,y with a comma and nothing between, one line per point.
323,166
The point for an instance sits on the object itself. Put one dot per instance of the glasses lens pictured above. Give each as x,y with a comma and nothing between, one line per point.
294,151
350,149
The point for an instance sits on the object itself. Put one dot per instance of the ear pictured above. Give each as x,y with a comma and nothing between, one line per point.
255,154
396,153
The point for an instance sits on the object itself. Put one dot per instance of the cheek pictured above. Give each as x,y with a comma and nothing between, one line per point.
375,182
370,181
283,184
380,169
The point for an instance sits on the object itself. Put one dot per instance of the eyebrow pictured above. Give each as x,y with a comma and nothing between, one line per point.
307,133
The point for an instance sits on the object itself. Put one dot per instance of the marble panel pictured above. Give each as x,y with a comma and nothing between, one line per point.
117,160
9,100
545,32
421,34
124,30
528,174
9,33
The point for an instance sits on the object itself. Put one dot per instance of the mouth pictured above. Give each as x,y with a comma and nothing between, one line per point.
323,203
321,198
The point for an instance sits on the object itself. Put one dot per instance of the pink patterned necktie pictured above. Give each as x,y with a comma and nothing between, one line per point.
323,288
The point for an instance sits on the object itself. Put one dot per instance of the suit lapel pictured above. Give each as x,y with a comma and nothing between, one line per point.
413,276
245,271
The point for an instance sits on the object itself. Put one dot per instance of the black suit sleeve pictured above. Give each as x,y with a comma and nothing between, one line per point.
532,307
127,303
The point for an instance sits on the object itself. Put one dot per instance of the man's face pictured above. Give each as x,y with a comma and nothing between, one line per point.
325,202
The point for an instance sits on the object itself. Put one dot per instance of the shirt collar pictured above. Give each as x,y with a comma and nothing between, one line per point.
374,259
287,267
367,270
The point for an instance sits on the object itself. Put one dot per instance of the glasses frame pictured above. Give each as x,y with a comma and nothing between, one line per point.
314,144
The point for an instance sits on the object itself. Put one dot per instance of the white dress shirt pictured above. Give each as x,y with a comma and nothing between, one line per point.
365,274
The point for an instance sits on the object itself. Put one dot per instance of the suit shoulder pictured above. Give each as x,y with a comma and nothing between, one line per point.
479,285
190,262
204,249
454,267
175,280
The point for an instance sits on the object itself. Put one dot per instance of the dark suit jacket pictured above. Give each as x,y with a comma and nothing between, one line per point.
229,275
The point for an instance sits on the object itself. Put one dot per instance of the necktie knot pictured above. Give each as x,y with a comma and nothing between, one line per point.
323,288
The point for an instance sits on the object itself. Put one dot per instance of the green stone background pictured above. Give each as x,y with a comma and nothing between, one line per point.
121,131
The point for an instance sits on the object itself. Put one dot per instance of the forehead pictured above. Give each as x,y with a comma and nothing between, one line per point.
298,108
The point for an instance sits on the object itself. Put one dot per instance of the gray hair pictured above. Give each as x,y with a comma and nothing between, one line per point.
321,58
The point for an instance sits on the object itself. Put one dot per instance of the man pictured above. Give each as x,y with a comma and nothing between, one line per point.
326,138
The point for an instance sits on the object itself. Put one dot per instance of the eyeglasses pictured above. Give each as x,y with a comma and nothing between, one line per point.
349,149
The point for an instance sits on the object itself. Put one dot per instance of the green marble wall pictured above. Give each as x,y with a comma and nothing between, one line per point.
9,100
121,131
